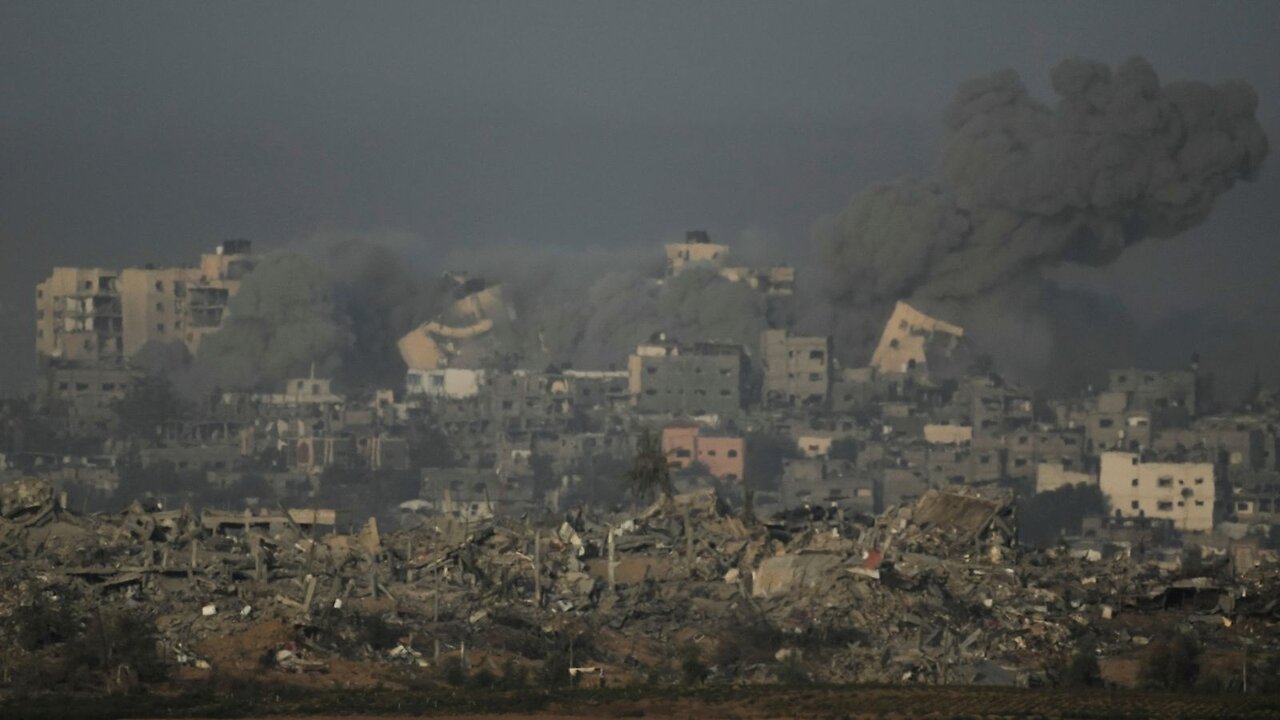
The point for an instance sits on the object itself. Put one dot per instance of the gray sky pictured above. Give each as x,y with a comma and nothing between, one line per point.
145,132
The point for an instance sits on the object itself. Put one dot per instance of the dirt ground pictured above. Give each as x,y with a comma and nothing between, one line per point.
756,703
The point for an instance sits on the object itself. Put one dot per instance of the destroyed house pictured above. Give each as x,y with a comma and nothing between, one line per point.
1158,391
1255,497
522,401
999,408
473,495
589,389
697,249
1107,421
858,389
822,482
962,523
1235,447
466,334
83,394
912,341
1026,449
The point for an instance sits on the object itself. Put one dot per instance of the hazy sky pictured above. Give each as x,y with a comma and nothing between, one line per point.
146,132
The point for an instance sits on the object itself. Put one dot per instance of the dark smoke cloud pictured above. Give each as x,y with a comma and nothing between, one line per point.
283,320
1020,187
342,302
339,303
590,309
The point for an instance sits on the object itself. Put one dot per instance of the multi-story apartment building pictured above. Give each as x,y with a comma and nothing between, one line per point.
1184,493
797,369
102,315
705,378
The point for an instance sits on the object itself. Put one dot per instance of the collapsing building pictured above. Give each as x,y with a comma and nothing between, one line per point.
697,249
465,334
912,339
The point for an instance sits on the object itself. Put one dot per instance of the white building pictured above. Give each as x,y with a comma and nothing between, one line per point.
1181,492
444,382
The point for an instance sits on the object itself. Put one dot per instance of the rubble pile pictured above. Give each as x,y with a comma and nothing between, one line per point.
936,591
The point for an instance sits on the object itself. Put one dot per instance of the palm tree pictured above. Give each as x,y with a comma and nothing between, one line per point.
649,472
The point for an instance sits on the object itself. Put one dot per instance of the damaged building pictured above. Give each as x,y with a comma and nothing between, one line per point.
104,315
666,377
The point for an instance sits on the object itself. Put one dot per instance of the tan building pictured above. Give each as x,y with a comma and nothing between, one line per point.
103,315
724,457
465,334
697,248
699,379
79,315
948,434
1181,492
797,370
908,339
1050,476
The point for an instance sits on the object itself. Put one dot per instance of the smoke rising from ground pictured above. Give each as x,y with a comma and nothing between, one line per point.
591,309
335,304
1021,186
343,302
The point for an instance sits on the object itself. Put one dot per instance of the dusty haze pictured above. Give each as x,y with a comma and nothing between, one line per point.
452,133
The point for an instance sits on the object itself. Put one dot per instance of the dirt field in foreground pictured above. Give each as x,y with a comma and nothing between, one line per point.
758,703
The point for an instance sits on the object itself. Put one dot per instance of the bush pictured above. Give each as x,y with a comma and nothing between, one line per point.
1081,669
554,672
514,675
561,648
1171,663
45,618
692,670
484,678
747,642
791,671
453,671
120,643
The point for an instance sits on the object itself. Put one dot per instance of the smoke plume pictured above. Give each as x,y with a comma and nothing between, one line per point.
1021,186
343,302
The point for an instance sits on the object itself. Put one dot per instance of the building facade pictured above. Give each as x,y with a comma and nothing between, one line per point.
1184,493
702,379
102,315
797,369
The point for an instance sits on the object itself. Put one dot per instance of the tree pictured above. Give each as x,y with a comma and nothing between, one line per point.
765,453
1081,669
692,670
649,473
1172,663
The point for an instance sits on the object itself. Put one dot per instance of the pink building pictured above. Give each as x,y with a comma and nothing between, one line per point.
724,457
